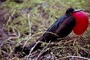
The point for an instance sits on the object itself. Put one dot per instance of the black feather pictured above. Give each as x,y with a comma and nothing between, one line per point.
61,28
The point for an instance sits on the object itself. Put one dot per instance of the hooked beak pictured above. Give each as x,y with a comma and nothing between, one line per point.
78,10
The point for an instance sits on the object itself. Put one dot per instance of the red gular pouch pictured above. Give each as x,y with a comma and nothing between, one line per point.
82,22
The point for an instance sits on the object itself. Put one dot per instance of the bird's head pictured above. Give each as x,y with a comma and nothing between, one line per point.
81,20
69,11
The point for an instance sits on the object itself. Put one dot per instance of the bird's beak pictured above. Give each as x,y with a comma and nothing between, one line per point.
78,10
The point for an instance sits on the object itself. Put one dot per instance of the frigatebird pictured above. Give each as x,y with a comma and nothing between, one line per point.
75,20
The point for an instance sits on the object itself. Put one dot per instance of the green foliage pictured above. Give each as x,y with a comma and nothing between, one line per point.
40,8
42,14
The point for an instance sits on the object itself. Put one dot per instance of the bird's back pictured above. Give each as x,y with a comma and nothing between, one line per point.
56,24
61,28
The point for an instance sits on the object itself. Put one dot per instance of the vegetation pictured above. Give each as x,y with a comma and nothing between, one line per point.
21,23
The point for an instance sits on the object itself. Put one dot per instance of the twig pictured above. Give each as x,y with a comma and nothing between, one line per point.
14,37
44,50
33,48
29,24
10,51
74,57
10,17
30,37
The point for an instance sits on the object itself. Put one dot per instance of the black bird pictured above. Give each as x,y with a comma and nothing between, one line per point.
2,0
59,29
18,1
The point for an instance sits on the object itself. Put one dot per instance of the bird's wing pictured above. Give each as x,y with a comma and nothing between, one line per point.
56,24
66,27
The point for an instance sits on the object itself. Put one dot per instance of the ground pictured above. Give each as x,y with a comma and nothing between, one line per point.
23,22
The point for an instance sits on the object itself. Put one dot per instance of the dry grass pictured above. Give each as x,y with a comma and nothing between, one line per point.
24,23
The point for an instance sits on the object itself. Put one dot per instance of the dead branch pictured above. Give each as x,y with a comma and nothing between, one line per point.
14,37
75,57
43,51
10,17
